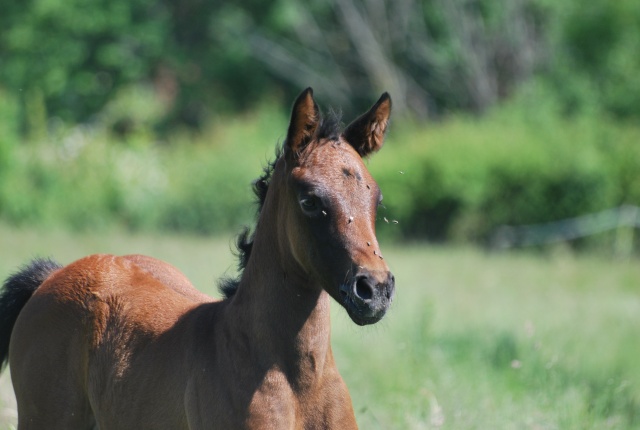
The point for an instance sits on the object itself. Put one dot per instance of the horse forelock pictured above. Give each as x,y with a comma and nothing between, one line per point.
330,126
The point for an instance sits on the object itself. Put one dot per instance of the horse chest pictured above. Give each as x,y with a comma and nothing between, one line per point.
320,404
273,404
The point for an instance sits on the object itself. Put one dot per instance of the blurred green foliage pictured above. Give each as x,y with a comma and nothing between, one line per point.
595,61
157,115
67,59
458,179
75,55
521,164
85,179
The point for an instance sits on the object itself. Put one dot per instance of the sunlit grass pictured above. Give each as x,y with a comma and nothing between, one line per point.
500,341
473,340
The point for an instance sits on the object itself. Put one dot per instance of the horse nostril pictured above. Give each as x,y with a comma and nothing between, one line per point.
363,289
390,287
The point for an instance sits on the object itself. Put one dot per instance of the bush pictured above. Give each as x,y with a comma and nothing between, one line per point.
463,178
88,178
594,58
455,180
8,136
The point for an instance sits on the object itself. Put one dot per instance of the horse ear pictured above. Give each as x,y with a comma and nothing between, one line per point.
305,118
366,133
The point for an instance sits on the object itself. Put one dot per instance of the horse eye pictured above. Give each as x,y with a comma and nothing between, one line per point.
309,204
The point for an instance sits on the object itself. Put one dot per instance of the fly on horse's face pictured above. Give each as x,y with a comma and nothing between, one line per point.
333,201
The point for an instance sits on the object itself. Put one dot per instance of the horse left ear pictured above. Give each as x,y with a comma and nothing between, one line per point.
366,133
305,118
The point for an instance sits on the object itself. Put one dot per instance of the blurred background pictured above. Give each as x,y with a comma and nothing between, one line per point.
138,126
156,115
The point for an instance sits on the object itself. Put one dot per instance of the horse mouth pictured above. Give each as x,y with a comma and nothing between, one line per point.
361,313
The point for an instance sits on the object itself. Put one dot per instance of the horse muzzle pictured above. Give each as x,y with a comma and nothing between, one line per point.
368,296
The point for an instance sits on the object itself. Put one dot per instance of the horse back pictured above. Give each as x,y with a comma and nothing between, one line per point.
168,276
94,289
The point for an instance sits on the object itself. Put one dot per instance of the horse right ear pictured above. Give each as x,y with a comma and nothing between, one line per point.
366,133
305,118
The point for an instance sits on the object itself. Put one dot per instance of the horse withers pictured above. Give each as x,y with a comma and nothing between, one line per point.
120,343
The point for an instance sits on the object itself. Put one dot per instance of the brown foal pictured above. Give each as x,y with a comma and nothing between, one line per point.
127,342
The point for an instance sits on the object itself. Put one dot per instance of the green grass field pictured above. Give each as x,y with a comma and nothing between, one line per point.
473,340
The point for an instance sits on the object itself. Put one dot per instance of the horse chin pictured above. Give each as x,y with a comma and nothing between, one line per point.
362,314
365,320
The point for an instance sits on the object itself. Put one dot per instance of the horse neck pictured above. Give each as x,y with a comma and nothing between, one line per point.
285,315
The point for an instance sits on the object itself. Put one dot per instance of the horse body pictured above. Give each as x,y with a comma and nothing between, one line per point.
128,343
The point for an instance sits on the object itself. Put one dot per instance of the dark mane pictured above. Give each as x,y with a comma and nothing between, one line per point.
329,128
244,242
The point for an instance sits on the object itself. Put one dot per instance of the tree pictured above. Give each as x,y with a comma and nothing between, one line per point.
432,55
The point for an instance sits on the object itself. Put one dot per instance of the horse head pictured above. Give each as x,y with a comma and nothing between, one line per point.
328,211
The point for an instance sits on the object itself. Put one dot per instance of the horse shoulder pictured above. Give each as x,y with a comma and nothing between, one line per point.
332,406
277,404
